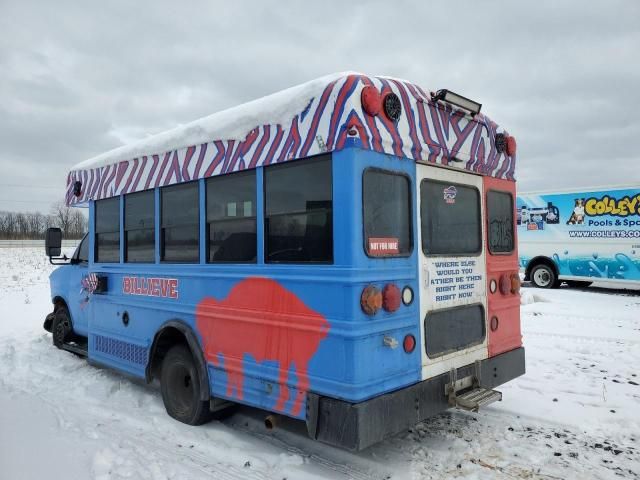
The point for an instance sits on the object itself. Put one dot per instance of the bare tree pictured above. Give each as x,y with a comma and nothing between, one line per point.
62,215
31,226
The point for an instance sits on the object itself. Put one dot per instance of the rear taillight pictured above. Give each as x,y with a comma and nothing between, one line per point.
515,283
390,298
494,324
509,283
505,284
371,300
409,343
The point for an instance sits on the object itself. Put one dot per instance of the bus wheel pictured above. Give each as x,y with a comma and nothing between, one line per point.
543,276
180,386
578,284
61,327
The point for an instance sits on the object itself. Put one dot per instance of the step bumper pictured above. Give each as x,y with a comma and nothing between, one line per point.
356,426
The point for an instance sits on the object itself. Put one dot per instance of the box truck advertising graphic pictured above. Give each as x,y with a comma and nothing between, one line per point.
581,235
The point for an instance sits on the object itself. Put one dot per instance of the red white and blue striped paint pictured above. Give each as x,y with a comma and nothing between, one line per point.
426,131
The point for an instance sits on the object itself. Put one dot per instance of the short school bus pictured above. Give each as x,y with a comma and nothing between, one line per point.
342,252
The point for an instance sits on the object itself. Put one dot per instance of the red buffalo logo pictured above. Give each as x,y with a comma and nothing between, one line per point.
262,319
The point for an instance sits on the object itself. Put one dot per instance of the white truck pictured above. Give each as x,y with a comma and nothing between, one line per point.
580,236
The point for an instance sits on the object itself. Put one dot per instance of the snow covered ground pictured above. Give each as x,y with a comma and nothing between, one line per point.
575,414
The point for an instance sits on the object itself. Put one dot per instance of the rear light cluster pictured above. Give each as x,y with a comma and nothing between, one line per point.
508,284
389,298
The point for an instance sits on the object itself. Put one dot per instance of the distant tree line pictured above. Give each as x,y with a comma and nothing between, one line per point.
31,226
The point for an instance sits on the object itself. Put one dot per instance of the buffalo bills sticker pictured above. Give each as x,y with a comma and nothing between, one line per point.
379,247
449,194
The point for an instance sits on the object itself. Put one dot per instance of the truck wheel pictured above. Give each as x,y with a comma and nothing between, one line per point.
61,327
578,283
543,276
180,386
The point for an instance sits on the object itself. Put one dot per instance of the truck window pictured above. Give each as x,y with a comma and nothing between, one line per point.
299,213
82,252
108,230
231,218
500,219
180,232
386,210
139,227
450,216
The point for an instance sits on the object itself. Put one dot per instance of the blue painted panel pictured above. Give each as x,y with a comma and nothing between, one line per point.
350,362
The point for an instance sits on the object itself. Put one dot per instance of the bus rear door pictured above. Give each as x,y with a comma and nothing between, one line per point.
452,269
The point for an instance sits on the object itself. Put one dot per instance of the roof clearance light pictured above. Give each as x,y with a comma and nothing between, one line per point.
371,101
458,100
511,146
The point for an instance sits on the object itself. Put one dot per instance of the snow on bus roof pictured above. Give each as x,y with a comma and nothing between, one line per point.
230,124
324,115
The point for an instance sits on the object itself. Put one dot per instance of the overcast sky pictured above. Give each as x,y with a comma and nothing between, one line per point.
80,78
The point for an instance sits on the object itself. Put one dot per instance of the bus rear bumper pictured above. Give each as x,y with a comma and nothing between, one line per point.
356,426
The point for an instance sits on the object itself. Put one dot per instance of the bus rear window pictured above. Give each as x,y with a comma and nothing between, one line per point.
500,215
386,211
450,216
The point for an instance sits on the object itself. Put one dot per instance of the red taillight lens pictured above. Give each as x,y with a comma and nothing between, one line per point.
505,284
515,283
494,323
391,298
409,343
371,300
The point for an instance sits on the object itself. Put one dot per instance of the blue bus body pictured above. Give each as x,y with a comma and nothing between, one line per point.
351,362
305,339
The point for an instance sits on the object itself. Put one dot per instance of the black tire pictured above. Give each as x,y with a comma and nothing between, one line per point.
61,328
578,283
544,276
180,386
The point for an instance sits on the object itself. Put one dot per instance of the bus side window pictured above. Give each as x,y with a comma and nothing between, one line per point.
231,218
107,243
299,211
139,227
500,219
180,219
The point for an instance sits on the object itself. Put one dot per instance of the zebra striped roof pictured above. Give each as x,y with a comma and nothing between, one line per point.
301,121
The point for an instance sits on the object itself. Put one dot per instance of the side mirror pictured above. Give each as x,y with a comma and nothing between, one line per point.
53,242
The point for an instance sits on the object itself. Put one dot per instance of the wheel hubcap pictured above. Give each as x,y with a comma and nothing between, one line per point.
542,277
